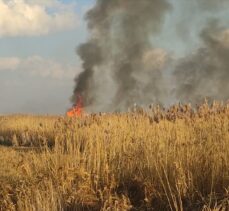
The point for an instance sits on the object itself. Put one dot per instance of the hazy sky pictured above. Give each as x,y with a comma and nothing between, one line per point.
38,39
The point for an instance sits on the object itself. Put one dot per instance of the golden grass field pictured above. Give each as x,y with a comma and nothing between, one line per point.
155,160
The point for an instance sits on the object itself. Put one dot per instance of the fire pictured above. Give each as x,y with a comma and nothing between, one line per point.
77,109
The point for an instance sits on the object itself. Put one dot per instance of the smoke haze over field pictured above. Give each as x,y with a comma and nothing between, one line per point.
205,73
120,52
122,65
118,60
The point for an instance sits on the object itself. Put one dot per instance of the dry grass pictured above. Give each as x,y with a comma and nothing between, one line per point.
159,160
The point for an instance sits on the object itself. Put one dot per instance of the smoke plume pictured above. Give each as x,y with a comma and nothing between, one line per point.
122,66
212,5
205,73
119,62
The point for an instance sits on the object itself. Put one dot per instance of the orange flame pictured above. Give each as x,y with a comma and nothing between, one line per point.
77,109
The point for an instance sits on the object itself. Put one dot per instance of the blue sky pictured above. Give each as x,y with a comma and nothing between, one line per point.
24,90
37,50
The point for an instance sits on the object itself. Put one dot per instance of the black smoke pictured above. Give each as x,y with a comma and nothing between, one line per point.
205,73
121,66
119,42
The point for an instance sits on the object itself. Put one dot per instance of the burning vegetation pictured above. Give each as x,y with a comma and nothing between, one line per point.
144,159
123,59
77,109
175,159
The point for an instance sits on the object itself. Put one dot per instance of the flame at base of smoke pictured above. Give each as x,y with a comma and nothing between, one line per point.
77,109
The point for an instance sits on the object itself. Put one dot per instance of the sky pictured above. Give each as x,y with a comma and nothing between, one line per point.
38,62
38,41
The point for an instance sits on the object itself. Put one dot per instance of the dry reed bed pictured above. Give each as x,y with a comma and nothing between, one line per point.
25,130
163,160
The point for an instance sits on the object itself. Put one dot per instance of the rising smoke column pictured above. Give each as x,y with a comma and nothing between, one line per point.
205,73
118,57
122,67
